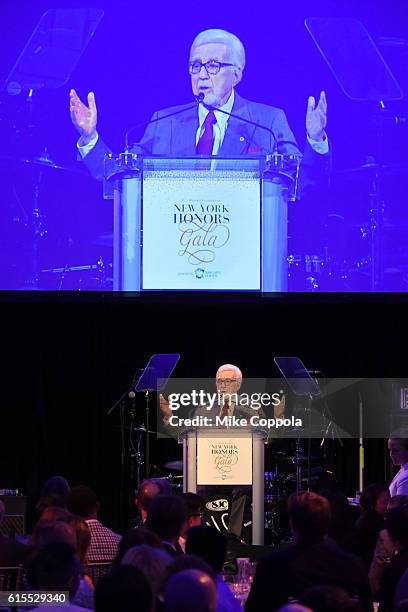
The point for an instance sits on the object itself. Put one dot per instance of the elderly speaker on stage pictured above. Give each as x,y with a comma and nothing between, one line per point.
216,67
228,381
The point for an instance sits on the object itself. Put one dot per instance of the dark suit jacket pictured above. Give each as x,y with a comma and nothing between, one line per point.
390,579
175,136
289,573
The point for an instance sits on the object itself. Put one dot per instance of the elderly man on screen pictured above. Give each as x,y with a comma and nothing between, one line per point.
216,65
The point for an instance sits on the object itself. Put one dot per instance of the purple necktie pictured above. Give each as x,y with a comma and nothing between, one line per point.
206,142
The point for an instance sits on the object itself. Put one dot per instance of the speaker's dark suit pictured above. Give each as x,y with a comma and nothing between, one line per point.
176,136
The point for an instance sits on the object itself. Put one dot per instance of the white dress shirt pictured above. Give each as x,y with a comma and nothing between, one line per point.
399,484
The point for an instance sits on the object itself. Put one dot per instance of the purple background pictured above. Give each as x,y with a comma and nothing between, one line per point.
137,63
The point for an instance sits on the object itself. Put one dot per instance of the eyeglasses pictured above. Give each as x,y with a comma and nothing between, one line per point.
212,66
226,381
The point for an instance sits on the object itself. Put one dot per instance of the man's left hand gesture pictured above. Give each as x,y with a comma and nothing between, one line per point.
316,117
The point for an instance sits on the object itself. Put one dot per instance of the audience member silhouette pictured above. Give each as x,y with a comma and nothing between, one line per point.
104,543
124,589
134,537
374,502
55,568
385,549
167,515
53,493
152,562
396,523
312,560
190,590
211,545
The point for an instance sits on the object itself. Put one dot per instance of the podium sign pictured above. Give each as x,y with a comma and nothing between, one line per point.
201,230
224,461
221,456
198,224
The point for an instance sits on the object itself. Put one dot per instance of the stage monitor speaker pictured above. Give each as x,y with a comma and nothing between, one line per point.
14,520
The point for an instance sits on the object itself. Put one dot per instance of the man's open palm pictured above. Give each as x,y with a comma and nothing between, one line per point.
83,117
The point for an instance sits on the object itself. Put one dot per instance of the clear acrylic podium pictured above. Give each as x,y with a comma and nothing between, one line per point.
199,223
246,445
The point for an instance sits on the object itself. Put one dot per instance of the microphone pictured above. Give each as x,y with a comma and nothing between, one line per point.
146,123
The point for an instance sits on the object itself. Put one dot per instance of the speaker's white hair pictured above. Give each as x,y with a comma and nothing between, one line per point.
233,43
229,366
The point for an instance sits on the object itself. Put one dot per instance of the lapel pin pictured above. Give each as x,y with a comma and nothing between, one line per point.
241,138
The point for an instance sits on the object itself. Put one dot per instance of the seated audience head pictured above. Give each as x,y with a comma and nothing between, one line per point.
82,502
375,497
53,531
333,598
398,446
164,484
167,515
136,537
2,511
396,523
54,513
152,562
190,590
309,515
209,544
54,568
53,493
83,536
184,562
124,589
195,505
148,490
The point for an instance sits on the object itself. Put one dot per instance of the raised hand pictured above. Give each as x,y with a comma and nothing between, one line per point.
316,117
83,117
165,407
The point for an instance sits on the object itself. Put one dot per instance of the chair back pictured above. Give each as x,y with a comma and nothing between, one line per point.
96,570
11,578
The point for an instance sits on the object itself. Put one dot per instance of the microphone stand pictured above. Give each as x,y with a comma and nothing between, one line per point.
146,123
200,100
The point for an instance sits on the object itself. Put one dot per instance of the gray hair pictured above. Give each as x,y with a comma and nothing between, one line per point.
229,366
152,562
233,43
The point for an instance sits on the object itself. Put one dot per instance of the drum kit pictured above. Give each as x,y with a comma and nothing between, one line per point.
361,244
30,223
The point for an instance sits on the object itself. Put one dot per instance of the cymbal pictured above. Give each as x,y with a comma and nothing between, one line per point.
300,458
382,169
42,162
177,466
388,225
